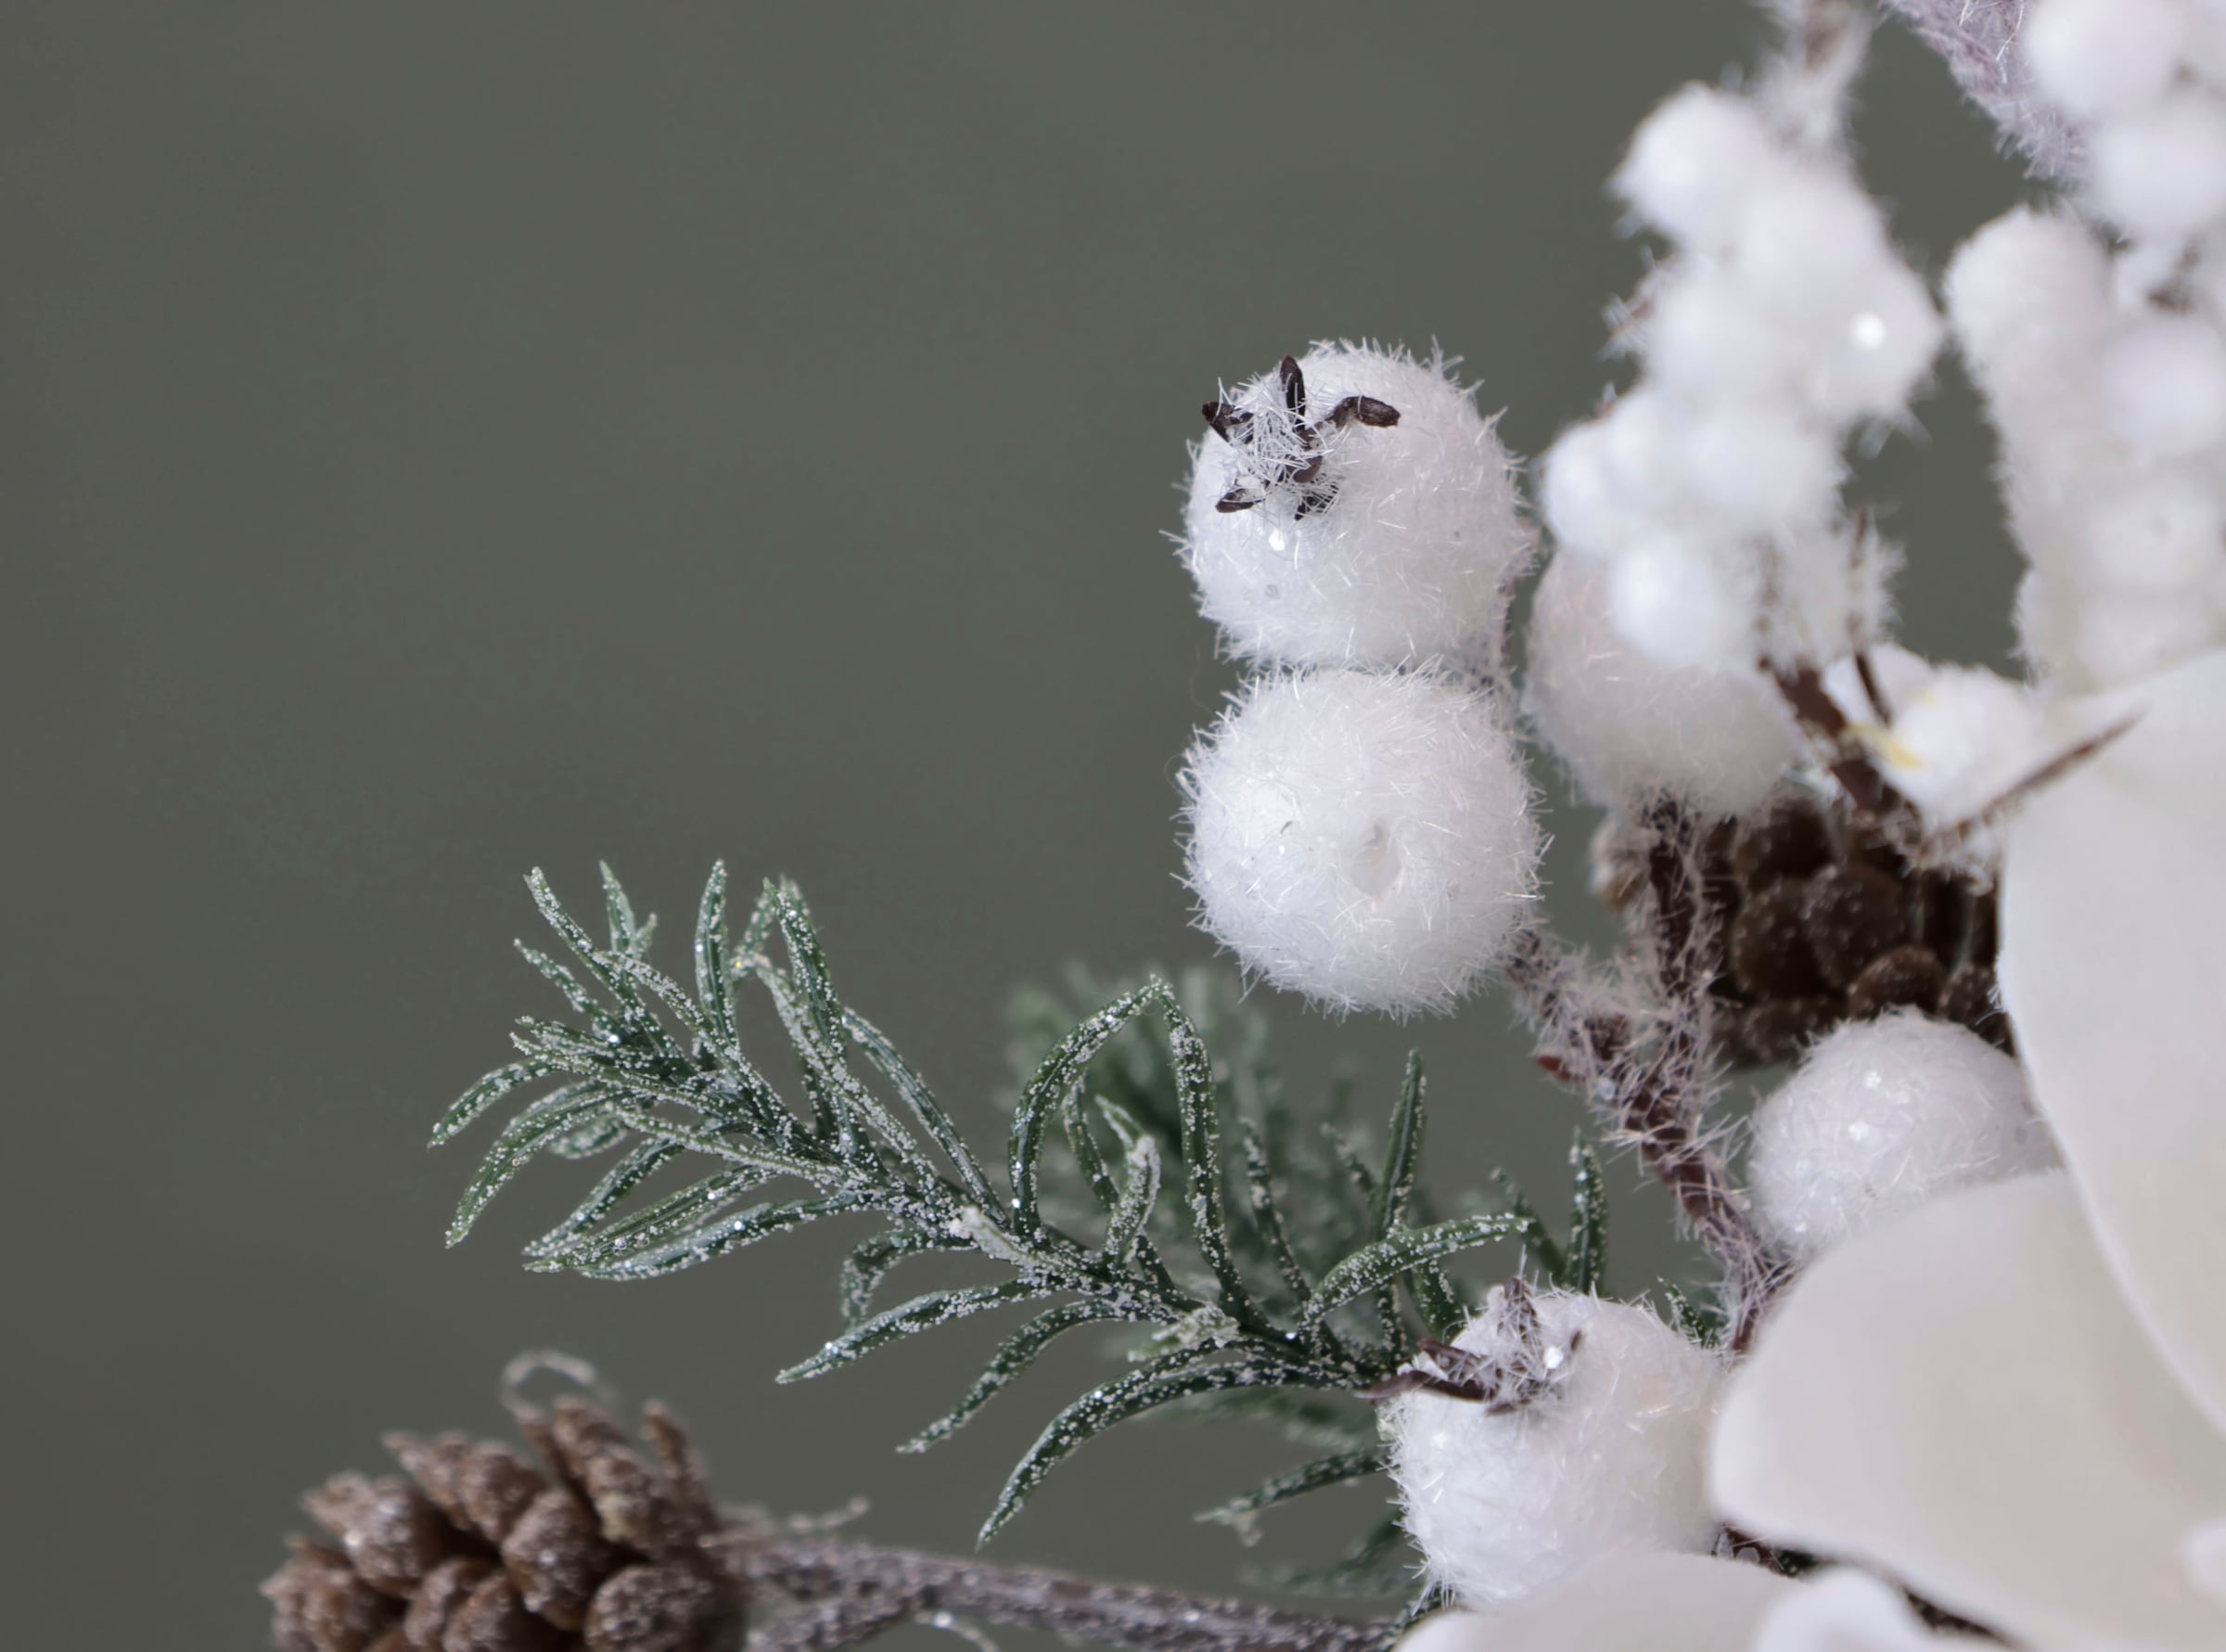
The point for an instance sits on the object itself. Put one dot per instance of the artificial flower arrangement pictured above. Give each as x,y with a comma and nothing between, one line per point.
1962,1371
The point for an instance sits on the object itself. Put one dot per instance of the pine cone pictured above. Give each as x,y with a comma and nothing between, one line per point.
1822,922
480,1550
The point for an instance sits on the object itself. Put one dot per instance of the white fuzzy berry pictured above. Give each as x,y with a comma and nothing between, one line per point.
1707,333
1581,496
2029,285
2164,385
1810,242
1679,605
2099,58
1364,840
1605,1457
1716,738
1873,350
1401,549
2158,532
2162,171
1758,467
1695,162
1880,1117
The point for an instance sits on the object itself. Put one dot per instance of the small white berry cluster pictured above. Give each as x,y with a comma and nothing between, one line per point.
2105,369
1784,320
1361,826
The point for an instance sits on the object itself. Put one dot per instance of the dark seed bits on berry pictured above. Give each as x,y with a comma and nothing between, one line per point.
1906,975
1769,951
1850,915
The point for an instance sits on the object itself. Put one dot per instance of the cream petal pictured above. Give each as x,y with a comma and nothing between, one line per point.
1962,1399
1628,1603
2114,971
1847,1611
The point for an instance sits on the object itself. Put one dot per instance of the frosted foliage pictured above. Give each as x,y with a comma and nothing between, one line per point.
1608,1459
1412,557
1785,320
1880,1117
1629,729
1364,840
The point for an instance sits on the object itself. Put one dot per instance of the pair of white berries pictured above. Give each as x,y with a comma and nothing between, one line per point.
1606,1450
1359,819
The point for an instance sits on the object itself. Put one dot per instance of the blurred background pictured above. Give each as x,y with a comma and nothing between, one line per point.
446,439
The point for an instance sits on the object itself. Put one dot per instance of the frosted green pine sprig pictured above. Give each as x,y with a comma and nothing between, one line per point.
1303,1263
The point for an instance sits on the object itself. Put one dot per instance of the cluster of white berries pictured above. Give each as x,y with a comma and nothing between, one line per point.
1880,1117
1698,516
1359,819
1600,1450
2105,369
1783,320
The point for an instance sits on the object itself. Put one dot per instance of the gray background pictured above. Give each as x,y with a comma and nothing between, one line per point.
444,439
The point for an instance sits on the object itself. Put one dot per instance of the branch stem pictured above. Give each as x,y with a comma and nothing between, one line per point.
1651,1079
852,1591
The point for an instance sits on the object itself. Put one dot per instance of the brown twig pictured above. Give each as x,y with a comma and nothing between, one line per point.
1651,1076
852,1591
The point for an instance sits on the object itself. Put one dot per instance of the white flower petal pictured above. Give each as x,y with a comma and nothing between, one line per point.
1630,1603
1962,1399
1846,1610
2114,972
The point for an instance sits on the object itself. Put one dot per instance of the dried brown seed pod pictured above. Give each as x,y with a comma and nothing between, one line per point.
1790,839
1851,914
1906,975
1778,1029
495,1617
391,1531
319,1604
1984,937
556,1555
659,1608
443,1591
483,1553
1771,956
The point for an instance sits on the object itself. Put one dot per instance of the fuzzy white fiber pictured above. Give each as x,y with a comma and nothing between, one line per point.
1607,1460
1717,739
1880,1117
1365,839
1413,559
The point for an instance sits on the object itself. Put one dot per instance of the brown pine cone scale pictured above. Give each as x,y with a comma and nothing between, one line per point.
1821,921
480,1550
